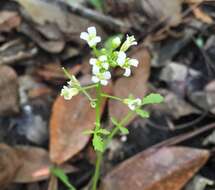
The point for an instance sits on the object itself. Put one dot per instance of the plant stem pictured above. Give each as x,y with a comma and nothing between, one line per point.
98,120
116,129
111,97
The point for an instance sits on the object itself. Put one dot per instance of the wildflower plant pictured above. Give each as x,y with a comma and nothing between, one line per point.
104,60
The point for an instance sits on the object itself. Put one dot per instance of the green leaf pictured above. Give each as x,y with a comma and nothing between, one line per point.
59,173
108,43
152,98
98,143
98,4
103,131
88,132
114,121
124,130
142,113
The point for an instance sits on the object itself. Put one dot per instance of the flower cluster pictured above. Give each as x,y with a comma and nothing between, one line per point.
71,89
107,59
133,103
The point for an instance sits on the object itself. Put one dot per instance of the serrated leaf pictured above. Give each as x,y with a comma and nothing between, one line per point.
142,113
103,131
152,98
98,143
62,176
124,130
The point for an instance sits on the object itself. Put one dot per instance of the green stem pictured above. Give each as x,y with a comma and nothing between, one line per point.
90,86
98,120
116,129
112,97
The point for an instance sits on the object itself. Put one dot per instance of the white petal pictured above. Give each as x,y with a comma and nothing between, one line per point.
97,39
134,62
92,30
103,58
104,82
84,36
93,61
138,101
96,70
95,79
105,65
121,58
131,106
92,42
127,72
107,75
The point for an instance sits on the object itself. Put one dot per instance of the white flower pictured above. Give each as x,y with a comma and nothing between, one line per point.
102,78
121,58
90,36
73,82
133,103
99,64
130,41
126,63
68,92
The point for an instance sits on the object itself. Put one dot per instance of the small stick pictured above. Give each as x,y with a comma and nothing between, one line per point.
98,17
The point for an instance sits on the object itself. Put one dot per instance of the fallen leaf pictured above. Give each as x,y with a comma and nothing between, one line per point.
9,94
169,11
9,20
135,85
36,164
9,165
69,120
168,168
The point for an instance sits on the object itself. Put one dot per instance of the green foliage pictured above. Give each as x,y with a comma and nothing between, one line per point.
59,173
152,98
103,132
123,130
109,45
98,143
142,113
98,4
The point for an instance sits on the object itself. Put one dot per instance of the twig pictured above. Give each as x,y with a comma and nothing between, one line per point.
18,57
98,17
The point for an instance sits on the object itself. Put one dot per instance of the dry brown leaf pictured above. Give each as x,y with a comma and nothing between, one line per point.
9,165
169,11
9,20
202,16
167,168
9,99
69,120
36,164
136,84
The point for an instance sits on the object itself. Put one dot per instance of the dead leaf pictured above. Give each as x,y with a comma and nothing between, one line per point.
9,165
9,100
169,11
9,20
136,84
53,46
42,12
168,168
69,120
36,164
